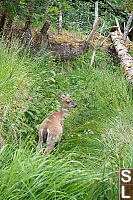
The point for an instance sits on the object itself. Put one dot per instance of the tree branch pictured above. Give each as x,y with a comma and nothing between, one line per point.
86,43
105,40
116,10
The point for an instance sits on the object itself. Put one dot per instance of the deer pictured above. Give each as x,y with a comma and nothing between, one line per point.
51,129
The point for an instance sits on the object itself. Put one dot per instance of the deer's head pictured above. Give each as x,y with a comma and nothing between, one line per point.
67,101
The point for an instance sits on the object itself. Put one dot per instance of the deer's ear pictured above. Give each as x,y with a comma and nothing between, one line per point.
60,96
68,93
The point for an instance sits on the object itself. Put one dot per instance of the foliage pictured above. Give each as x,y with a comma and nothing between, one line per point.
80,15
75,15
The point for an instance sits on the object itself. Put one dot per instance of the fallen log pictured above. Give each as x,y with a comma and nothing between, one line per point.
125,58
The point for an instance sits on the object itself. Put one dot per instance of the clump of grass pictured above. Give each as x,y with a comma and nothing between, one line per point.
14,69
32,177
14,84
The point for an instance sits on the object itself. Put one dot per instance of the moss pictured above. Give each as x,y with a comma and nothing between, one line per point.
63,38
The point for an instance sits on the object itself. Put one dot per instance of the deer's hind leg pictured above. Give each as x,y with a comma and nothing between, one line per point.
42,137
51,140
49,148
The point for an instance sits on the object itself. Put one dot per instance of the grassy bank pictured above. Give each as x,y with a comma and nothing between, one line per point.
97,137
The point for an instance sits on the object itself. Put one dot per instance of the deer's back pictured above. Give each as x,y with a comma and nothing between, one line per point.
54,123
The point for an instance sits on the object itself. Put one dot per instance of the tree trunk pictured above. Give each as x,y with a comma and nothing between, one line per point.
47,6
2,21
7,31
44,32
123,54
27,33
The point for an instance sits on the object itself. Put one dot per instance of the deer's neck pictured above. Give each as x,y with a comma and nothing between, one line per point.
64,112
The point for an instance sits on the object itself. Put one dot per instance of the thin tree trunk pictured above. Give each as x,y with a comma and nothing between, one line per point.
96,17
60,19
47,6
95,27
123,55
127,27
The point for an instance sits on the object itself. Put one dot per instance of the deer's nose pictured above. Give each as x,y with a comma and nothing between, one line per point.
75,106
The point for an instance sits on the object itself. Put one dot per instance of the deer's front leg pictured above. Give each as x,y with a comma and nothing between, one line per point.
40,142
59,136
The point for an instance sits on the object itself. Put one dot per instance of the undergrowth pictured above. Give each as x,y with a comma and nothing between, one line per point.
97,137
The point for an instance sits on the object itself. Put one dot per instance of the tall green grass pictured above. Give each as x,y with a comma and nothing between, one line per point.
97,137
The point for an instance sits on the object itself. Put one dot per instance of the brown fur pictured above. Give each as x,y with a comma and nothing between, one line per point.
51,128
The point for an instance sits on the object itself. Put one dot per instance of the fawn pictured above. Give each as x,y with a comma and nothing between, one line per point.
51,128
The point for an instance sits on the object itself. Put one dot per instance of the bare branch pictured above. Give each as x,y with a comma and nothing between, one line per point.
105,40
130,29
86,43
126,30
94,51
118,25
114,9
